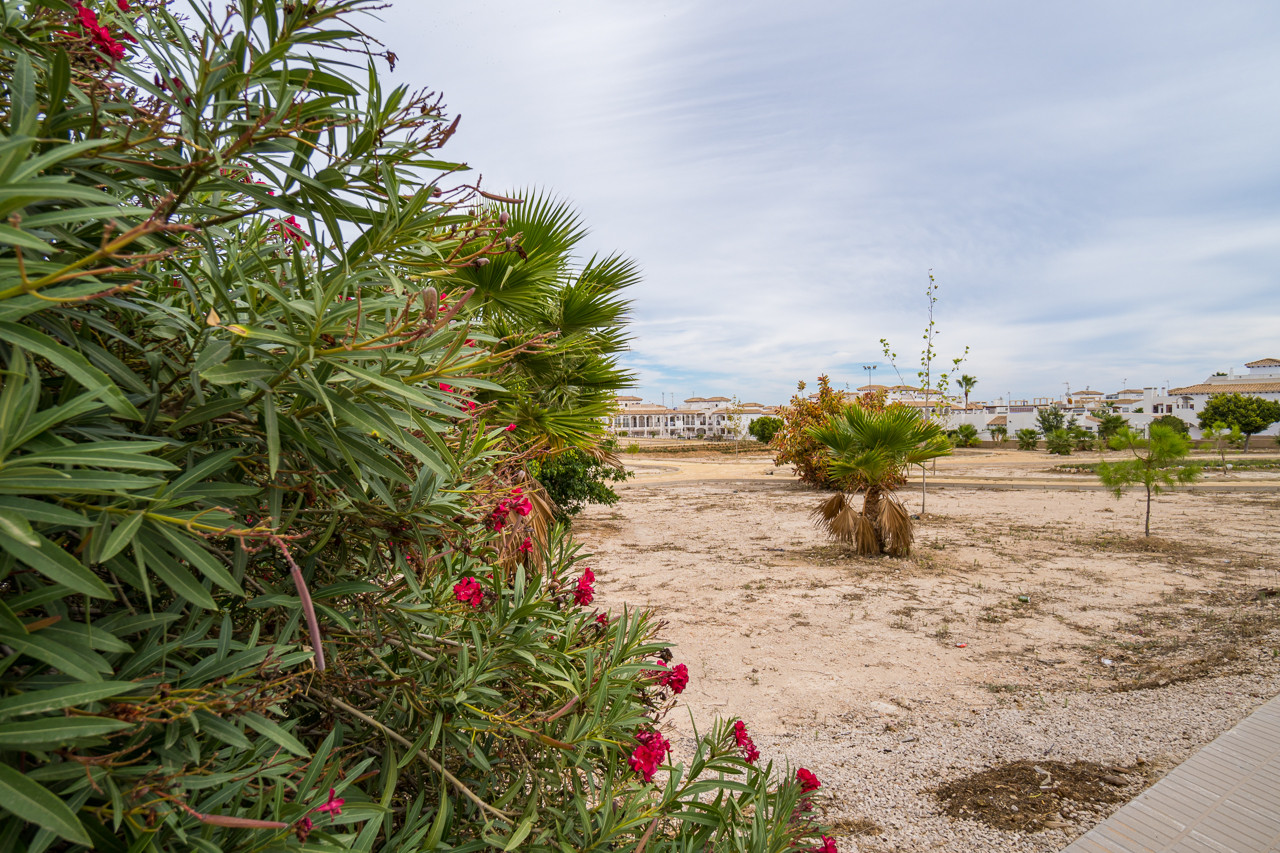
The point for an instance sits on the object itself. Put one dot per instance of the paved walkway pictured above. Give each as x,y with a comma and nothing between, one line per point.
1223,799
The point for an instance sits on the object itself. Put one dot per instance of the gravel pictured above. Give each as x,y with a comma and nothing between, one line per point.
882,766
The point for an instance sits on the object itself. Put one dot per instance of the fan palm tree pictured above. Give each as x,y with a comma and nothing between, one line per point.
966,383
565,312
870,452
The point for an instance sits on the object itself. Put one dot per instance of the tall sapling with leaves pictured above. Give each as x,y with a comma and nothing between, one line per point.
1157,464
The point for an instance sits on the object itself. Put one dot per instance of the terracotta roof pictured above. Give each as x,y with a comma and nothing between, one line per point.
626,398
1126,402
1130,391
1087,393
695,400
715,400
865,388
999,420
905,388
1229,388
1264,362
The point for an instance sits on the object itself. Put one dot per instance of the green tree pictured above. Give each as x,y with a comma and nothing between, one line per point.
1050,418
966,384
967,436
1109,423
1157,464
1028,438
261,517
1174,423
869,451
999,432
1250,414
764,428
1220,436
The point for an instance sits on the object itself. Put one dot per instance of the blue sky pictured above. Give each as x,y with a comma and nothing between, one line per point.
1096,186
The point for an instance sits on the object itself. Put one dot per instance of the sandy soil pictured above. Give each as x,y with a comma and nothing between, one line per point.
1028,589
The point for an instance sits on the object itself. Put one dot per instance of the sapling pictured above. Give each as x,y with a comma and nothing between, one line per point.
1157,464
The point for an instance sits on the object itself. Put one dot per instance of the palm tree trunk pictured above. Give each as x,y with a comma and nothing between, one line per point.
871,510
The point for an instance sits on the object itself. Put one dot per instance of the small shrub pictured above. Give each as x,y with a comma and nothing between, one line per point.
574,478
1028,438
1081,438
1059,442
967,436
999,433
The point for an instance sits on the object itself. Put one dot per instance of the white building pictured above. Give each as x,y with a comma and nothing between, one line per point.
699,417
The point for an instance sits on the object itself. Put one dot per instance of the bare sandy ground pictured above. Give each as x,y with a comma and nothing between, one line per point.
1027,589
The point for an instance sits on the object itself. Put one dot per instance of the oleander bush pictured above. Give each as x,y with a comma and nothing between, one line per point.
274,573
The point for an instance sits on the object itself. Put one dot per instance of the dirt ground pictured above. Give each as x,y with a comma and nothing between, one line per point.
1023,582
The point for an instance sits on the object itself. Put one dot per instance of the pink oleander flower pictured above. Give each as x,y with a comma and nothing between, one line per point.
510,427
649,755
122,5
676,678
524,506
585,592
749,752
808,781
333,807
469,591
828,846
602,619
526,546
445,387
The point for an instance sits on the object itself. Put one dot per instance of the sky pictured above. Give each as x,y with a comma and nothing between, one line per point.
1095,186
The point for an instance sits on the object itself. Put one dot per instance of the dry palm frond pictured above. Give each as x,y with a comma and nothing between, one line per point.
864,536
824,512
895,524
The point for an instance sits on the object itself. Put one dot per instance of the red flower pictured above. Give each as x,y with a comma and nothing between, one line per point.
123,5
677,678
649,755
808,782
745,743
334,806
292,231
446,388
526,546
469,592
602,619
585,592
510,427
828,846
524,507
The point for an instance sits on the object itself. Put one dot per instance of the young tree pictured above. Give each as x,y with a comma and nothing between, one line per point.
932,384
999,432
870,451
1250,414
967,436
1050,418
966,383
1157,464
1221,435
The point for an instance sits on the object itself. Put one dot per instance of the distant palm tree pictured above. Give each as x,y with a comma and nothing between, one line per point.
870,452
967,382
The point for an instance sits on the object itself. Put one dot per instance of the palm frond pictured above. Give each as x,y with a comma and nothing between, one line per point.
896,526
